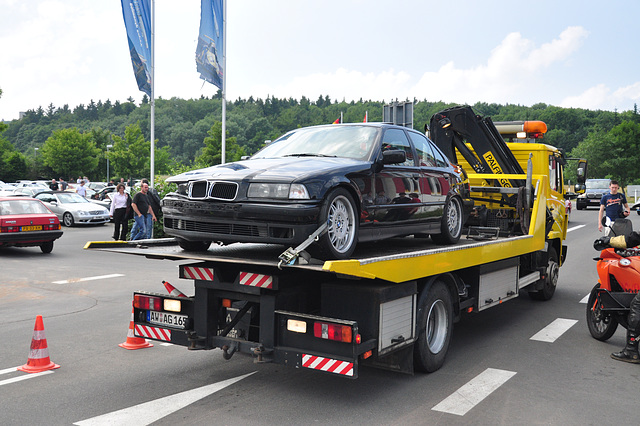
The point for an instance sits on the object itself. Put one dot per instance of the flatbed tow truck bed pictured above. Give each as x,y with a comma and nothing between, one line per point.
369,261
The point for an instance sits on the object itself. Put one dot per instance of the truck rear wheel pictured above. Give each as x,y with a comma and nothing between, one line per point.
434,327
551,280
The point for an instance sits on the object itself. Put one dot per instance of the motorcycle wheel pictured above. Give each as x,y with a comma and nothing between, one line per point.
600,326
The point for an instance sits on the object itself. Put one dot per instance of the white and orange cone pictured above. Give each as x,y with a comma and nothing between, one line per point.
39,353
133,342
172,290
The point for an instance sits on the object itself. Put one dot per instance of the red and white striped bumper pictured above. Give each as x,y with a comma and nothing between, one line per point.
343,368
155,333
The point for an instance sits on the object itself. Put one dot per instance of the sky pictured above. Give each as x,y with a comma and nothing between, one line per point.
568,53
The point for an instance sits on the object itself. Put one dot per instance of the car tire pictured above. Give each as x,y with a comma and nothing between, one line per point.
67,219
434,327
340,214
46,247
194,245
451,223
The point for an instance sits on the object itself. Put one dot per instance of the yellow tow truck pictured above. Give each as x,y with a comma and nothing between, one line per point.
394,304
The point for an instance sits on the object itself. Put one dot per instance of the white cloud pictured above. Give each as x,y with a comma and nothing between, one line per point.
511,69
602,97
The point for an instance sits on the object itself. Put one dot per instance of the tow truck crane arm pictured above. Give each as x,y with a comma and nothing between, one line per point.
452,127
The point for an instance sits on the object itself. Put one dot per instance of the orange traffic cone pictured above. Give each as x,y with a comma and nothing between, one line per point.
39,354
132,341
172,290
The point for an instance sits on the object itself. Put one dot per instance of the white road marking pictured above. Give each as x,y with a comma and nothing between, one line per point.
585,299
149,412
554,330
77,280
575,227
472,393
24,376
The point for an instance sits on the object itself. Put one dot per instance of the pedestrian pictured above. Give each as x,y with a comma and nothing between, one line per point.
53,185
614,205
122,181
120,205
142,210
82,190
63,184
154,200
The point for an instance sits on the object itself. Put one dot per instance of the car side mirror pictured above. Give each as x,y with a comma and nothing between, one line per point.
394,156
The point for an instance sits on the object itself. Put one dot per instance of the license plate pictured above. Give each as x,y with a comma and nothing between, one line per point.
167,319
31,228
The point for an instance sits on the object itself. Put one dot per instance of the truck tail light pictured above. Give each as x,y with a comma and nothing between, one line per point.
337,332
151,303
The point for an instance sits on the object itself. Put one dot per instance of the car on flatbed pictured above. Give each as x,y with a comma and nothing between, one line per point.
366,182
25,222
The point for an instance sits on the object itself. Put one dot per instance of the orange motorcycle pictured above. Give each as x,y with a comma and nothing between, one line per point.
618,282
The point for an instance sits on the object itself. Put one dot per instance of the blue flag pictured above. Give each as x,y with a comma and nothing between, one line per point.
209,52
137,21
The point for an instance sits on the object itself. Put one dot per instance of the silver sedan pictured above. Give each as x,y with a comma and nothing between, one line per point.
73,209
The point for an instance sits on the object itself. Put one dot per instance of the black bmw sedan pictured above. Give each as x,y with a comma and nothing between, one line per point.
366,181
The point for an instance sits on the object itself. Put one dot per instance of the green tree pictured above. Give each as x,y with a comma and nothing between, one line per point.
212,152
69,153
130,155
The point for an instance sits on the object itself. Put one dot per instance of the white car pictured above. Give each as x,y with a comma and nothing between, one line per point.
73,209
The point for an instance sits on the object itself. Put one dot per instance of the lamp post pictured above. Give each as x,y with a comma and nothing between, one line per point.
108,146
35,162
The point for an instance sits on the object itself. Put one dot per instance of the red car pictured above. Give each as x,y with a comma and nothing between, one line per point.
26,222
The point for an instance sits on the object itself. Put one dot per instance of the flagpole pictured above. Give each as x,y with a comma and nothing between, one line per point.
153,100
224,82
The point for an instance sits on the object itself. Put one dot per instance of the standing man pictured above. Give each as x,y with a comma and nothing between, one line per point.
63,185
614,205
154,200
141,204
82,190
53,185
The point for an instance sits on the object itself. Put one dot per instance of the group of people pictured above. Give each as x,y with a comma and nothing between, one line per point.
61,185
143,208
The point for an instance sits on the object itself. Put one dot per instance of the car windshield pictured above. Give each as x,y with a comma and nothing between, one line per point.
597,184
71,198
331,141
22,207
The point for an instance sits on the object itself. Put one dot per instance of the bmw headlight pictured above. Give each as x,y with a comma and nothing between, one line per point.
278,190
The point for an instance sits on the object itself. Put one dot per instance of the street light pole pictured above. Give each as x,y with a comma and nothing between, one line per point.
108,146
35,162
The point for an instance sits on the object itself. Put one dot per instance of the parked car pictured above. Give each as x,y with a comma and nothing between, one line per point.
25,222
366,181
72,208
595,189
30,191
96,186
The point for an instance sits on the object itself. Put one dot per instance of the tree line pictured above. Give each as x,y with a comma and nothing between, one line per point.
74,141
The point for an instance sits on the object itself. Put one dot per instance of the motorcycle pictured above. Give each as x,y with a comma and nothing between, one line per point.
618,280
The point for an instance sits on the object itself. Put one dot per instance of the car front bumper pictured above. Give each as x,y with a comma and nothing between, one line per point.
196,220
